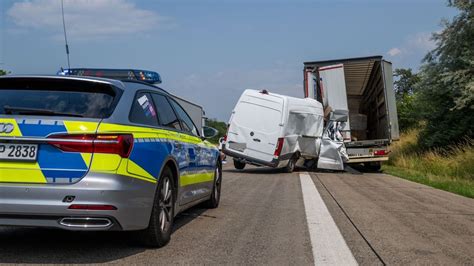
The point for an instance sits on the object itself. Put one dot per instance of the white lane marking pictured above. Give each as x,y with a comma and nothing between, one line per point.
329,247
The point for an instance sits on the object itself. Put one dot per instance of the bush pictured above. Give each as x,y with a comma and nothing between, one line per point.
446,87
221,128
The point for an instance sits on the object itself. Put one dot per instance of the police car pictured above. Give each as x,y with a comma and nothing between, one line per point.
87,153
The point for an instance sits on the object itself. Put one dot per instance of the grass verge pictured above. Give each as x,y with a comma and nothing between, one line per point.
450,170
460,187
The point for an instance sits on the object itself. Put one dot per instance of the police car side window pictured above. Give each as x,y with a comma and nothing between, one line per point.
143,111
165,112
186,121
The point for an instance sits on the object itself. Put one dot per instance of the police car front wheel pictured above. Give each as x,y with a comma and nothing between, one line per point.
213,202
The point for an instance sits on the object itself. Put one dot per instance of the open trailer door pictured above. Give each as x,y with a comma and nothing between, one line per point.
391,101
334,95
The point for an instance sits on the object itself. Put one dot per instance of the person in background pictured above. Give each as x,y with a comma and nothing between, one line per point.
223,156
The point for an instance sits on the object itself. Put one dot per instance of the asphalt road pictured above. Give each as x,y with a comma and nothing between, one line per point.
262,220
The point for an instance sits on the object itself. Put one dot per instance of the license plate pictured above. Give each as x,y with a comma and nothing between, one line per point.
237,146
18,152
359,152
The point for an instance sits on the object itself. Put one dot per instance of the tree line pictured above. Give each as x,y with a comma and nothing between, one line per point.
439,97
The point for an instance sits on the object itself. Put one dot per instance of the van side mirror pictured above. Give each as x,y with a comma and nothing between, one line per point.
209,132
339,115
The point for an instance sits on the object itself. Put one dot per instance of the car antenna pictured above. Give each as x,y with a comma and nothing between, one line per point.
65,35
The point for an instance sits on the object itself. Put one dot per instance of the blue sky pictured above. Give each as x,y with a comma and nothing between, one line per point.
210,51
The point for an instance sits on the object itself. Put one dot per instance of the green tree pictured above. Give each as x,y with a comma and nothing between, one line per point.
405,92
3,72
446,86
220,126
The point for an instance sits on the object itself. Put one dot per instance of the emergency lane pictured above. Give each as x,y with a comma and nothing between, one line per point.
260,220
389,220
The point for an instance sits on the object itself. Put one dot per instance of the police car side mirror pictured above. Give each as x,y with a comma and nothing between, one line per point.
209,132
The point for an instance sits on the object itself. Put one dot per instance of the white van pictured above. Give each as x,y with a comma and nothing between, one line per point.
268,129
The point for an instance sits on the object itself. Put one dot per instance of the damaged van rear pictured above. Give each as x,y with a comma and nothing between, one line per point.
268,129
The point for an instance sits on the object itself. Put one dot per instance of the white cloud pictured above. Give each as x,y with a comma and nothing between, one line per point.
86,19
411,50
394,51
419,43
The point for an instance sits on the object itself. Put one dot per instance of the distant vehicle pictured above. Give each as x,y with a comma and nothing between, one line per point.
363,87
83,153
268,129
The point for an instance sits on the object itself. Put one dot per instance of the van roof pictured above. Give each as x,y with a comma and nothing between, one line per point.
289,99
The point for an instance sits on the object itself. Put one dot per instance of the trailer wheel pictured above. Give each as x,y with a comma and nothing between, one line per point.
239,165
373,166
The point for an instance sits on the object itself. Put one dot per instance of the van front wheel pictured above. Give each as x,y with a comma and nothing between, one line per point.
290,167
239,165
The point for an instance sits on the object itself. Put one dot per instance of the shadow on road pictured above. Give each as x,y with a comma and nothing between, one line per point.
256,170
54,246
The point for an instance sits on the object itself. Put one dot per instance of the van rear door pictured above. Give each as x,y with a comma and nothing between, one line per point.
256,125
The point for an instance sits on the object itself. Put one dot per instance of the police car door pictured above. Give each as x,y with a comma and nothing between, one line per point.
197,182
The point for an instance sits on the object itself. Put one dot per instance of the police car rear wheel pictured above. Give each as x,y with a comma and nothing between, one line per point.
213,202
159,230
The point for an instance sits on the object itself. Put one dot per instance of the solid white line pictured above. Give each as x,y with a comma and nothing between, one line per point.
329,247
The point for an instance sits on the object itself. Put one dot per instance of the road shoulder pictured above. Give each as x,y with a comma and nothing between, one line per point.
404,222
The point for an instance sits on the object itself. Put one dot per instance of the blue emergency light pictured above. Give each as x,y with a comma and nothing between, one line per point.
120,74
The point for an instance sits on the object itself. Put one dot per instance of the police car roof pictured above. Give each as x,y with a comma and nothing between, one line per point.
117,83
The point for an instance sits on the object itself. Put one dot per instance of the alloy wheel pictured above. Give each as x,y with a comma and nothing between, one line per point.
166,204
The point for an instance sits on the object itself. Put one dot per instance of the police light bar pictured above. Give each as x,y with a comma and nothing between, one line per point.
120,74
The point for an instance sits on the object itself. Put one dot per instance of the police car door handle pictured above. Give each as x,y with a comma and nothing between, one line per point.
256,140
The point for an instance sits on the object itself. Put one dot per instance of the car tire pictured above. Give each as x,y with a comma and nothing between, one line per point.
290,167
213,202
239,165
159,230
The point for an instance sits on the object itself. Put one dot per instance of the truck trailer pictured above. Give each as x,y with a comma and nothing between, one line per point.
363,87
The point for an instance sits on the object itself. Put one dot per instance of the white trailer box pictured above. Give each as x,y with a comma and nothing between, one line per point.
274,130
364,88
